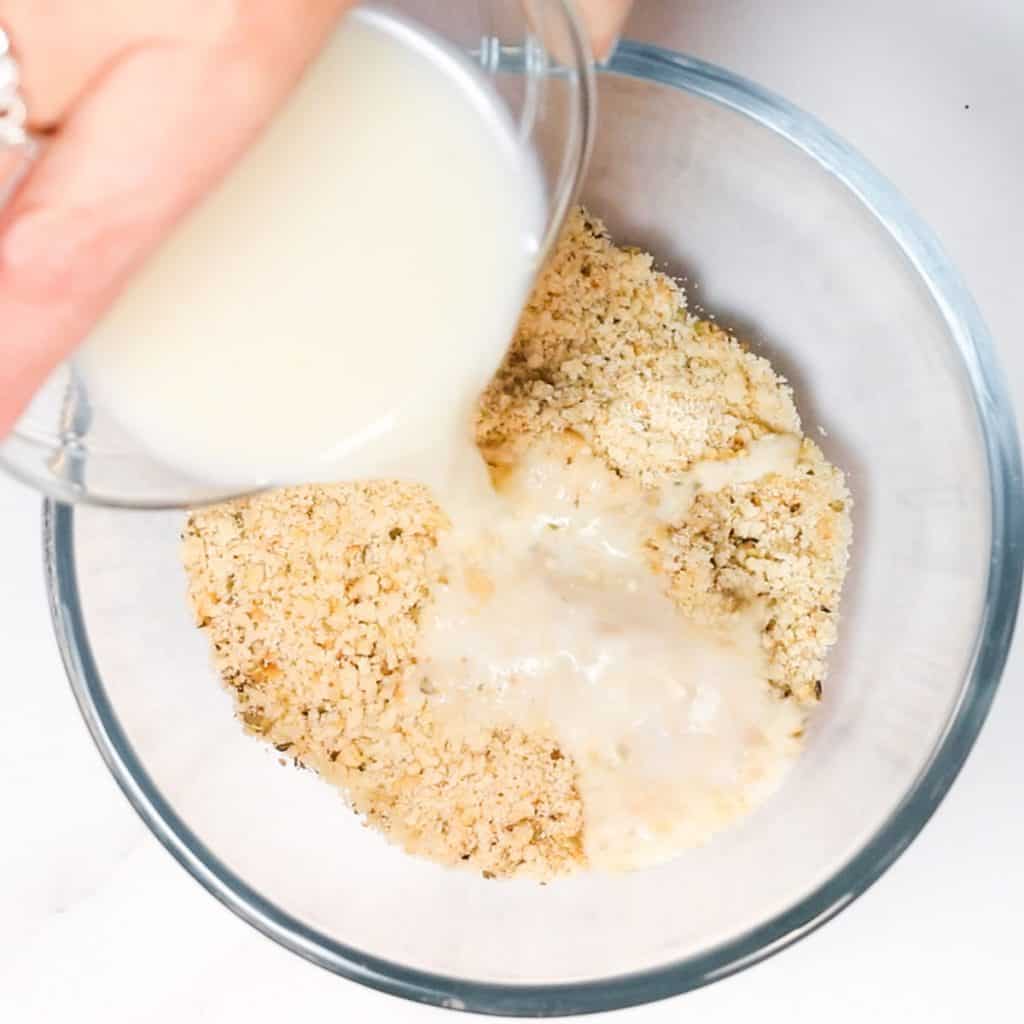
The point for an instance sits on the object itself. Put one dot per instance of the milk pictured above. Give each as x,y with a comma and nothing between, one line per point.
336,307
552,620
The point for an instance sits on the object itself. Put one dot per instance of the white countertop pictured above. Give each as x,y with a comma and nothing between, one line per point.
97,923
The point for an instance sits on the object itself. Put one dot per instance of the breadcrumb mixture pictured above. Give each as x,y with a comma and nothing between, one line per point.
311,596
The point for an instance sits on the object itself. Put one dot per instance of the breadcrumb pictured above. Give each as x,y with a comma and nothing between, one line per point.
311,596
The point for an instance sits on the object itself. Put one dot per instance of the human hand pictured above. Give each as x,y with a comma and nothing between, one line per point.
146,104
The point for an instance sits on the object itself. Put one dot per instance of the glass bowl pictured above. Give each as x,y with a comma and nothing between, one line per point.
800,247
534,54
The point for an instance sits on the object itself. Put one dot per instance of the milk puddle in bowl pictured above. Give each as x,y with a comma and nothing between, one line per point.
552,620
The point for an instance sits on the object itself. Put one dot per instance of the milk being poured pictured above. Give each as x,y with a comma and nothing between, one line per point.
335,308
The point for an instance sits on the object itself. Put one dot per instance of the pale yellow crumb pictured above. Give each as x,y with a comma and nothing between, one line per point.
310,597
783,541
607,348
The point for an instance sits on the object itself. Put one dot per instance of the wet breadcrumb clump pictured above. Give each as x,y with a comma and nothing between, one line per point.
311,596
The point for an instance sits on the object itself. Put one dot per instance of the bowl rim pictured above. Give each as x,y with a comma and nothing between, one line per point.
999,435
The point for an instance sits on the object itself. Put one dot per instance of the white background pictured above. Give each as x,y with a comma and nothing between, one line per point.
97,923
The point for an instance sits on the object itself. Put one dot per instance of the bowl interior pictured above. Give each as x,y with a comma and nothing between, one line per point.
787,255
